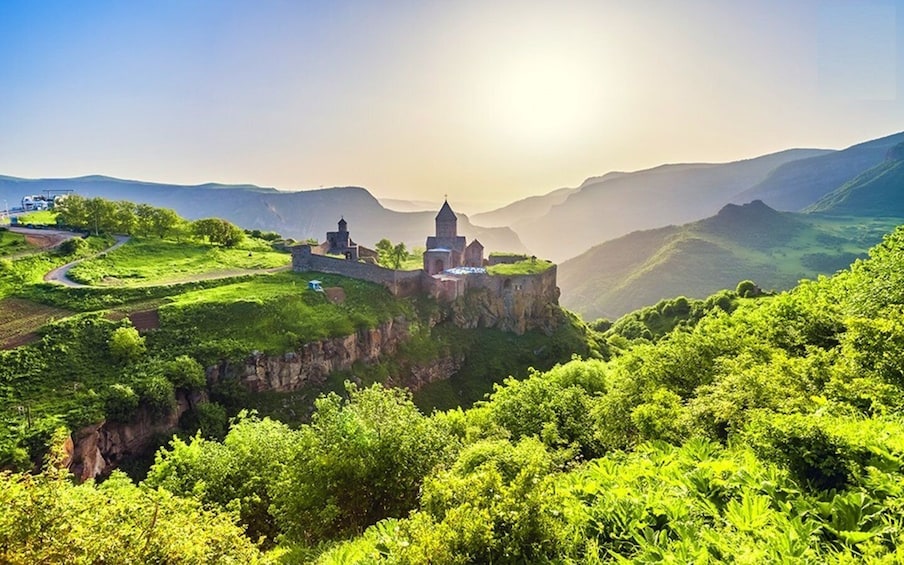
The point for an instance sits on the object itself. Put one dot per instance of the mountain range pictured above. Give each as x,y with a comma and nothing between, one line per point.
566,222
298,214
749,241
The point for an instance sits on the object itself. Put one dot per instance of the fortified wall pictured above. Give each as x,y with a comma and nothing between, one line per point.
399,283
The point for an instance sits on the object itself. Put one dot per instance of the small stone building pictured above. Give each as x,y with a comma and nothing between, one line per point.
340,243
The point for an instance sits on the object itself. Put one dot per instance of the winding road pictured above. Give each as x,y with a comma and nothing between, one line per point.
61,274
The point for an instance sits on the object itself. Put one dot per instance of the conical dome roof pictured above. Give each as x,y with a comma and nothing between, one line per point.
446,213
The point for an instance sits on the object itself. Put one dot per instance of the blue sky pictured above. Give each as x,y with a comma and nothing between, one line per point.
484,100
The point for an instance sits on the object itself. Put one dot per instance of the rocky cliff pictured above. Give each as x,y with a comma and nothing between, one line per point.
313,362
95,450
514,304
519,304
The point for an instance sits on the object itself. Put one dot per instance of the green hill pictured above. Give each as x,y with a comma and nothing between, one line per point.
751,241
794,186
73,356
877,192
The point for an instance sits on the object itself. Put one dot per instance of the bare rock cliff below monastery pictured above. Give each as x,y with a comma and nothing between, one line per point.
311,363
514,304
95,450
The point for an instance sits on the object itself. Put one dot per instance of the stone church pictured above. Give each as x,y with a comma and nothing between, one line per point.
448,250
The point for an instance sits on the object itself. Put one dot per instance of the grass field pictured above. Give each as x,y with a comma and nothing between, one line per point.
17,275
11,243
40,217
154,261
271,313
528,267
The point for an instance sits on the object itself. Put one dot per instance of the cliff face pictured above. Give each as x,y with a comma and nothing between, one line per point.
95,450
313,362
513,304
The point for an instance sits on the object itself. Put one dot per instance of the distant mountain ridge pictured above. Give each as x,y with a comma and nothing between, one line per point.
876,192
750,241
298,214
796,185
620,203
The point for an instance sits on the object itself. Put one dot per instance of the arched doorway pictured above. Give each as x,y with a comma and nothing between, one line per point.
438,266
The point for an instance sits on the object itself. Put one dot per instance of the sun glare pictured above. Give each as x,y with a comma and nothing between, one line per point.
542,98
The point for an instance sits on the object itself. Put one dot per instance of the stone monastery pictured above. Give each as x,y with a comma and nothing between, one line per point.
452,268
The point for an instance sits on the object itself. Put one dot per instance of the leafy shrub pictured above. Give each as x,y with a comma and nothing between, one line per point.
212,420
72,246
126,345
121,402
747,289
358,462
184,372
242,473
47,519
815,455
157,393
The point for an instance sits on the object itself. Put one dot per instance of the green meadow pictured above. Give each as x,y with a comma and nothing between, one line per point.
156,261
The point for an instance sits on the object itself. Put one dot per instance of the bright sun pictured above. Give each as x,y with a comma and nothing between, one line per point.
542,98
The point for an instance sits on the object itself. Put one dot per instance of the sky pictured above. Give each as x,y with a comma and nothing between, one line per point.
484,101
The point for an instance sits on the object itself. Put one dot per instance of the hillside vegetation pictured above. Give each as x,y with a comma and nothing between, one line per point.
759,429
155,261
751,241
876,192
74,358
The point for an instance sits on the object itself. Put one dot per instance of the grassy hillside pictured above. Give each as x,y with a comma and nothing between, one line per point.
11,243
877,192
155,261
796,185
752,241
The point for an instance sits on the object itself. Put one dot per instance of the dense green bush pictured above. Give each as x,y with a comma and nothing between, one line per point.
121,402
358,462
72,246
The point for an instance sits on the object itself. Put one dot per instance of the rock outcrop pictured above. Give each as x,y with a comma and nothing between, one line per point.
313,362
514,304
95,450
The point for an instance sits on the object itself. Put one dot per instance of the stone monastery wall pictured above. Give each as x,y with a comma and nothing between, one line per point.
399,283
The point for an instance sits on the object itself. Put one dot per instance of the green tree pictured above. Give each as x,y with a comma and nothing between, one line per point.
126,345
163,221
72,211
184,372
217,230
358,462
47,519
241,473
389,255
125,220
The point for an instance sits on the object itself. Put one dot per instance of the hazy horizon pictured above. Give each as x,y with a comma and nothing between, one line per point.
485,101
